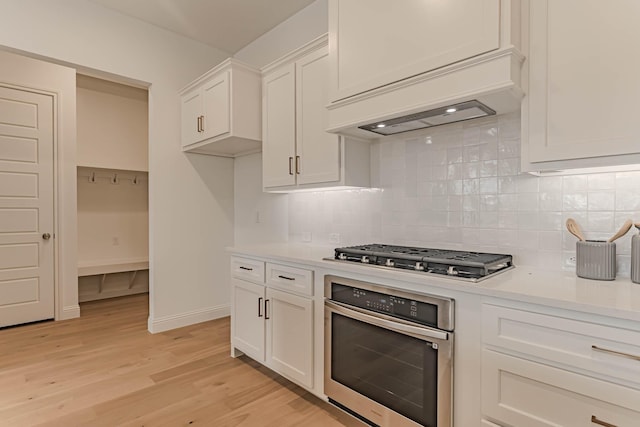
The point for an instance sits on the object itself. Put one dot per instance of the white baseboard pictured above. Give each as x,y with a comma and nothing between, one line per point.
166,323
69,312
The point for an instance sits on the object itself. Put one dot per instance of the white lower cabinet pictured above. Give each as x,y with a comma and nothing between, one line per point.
248,316
272,326
290,336
543,369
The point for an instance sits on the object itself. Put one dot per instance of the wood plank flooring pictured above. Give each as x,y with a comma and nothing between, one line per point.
105,369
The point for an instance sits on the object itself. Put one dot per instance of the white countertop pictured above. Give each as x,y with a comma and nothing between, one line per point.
561,289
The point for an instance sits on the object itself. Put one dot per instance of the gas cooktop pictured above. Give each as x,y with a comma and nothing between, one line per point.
461,265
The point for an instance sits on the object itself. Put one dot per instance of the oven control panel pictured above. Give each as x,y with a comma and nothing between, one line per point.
404,308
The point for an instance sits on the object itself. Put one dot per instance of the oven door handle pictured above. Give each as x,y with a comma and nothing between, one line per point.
420,332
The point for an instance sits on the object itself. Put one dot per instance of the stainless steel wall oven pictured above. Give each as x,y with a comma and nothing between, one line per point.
388,354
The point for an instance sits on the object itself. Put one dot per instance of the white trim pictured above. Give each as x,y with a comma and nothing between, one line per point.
70,312
189,318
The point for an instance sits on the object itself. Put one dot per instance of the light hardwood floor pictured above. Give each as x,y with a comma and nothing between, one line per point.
105,369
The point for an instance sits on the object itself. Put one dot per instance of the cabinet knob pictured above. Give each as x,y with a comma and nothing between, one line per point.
46,236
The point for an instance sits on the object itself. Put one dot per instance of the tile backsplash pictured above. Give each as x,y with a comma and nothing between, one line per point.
459,186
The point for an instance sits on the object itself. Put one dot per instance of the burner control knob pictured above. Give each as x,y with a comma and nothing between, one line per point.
342,256
452,271
419,266
389,263
365,259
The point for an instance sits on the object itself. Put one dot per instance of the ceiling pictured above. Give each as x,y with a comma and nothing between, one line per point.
228,25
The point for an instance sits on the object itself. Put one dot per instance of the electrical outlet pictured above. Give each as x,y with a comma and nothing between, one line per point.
306,236
334,238
571,260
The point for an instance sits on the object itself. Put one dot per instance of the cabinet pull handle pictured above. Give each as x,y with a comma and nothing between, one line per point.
298,165
595,420
290,165
266,310
286,278
202,123
616,353
259,306
246,268
198,123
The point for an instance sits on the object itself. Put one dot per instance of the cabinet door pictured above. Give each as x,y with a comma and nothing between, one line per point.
278,127
290,336
248,332
384,42
216,103
191,110
583,84
318,151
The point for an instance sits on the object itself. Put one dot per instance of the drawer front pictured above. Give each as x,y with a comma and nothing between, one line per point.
290,279
247,269
614,352
519,392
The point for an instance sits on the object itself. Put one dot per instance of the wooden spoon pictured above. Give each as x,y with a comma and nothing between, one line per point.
574,229
623,230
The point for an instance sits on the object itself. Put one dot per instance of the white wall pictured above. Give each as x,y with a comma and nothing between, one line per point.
113,219
113,125
263,217
190,197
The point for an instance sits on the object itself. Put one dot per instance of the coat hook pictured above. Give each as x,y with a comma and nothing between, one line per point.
115,179
135,179
92,177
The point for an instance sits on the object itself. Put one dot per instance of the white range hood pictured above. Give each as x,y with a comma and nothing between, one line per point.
485,85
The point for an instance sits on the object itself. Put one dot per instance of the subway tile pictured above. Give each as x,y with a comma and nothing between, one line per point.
601,181
488,168
550,201
488,185
574,201
601,201
573,183
471,170
628,200
457,191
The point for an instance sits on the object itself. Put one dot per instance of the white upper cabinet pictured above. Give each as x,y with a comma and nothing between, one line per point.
279,127
582,104
297,151
384,42
391,59
221,111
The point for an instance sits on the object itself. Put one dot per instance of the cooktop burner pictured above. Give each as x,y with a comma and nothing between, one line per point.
470,266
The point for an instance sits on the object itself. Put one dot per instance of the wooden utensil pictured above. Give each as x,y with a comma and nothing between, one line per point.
623,230
574,229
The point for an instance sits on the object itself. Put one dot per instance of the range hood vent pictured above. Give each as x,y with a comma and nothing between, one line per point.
439,116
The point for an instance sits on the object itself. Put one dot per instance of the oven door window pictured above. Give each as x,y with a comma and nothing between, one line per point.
393,369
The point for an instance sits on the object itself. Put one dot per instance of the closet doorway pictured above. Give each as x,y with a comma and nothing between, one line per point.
113,207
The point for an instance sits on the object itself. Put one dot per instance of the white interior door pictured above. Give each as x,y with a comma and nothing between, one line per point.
26,207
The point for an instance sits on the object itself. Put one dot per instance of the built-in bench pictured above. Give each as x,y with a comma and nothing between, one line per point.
105,268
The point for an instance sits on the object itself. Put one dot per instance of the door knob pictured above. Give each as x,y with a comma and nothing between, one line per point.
46,236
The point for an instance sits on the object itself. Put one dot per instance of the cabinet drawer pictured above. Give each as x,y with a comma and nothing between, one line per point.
247,269
578,345
524,393
290,279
